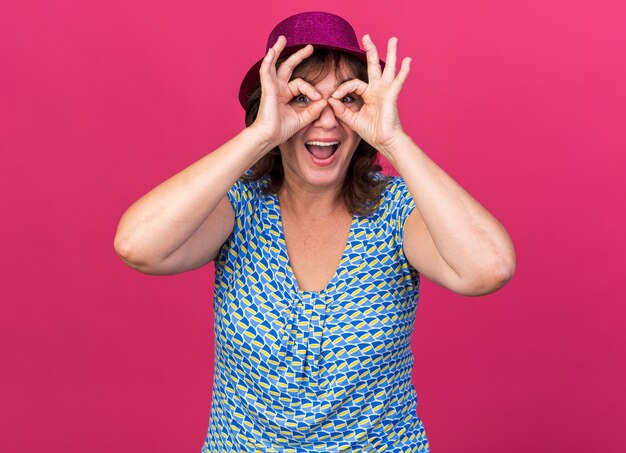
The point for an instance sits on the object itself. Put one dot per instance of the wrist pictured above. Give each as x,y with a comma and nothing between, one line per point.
258,140
394,147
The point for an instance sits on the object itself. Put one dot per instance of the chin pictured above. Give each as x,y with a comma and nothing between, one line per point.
325,177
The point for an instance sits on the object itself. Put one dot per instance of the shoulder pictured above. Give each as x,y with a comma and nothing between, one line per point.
395,185
245,193
395,195
394,206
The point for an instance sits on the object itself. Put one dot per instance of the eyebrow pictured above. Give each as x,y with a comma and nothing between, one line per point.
344,80
310,82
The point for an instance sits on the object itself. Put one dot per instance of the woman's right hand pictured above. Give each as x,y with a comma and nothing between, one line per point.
183,222
276,119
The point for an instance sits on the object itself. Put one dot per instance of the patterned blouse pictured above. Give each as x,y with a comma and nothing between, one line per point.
314,371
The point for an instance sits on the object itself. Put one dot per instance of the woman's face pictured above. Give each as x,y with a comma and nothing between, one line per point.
317,156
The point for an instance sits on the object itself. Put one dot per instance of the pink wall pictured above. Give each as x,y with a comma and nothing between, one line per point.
523,103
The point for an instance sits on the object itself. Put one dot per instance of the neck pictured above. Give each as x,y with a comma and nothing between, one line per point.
304,201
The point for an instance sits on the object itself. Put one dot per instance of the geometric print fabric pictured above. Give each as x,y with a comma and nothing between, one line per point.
314,371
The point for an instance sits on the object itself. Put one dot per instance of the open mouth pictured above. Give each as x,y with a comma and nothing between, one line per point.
322,150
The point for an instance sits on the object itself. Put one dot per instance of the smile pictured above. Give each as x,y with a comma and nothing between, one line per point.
322,150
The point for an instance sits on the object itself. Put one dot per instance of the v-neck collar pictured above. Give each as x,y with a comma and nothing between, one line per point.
290,276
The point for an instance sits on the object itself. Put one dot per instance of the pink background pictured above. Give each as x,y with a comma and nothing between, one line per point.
523,103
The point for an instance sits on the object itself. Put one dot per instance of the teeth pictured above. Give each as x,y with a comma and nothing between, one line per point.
322,143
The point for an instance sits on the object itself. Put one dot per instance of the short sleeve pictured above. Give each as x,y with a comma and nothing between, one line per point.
239,196
244,201
400,204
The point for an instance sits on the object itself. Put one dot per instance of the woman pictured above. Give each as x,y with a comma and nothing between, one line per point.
318,256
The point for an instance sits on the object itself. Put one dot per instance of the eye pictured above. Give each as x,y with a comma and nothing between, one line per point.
347,99
300,99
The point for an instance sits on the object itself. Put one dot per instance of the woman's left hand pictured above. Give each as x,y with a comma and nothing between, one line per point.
377,120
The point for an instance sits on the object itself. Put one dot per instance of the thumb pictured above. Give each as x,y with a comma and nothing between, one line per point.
342,112
313,111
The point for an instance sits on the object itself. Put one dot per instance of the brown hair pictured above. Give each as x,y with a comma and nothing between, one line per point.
363,183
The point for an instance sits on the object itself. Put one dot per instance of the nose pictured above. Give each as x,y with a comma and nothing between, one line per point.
327,118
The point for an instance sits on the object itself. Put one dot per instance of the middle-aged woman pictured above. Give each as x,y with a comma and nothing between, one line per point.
318,256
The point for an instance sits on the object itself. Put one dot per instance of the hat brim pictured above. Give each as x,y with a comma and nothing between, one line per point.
252,76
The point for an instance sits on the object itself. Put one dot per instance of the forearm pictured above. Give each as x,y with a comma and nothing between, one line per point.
162,220
469,238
